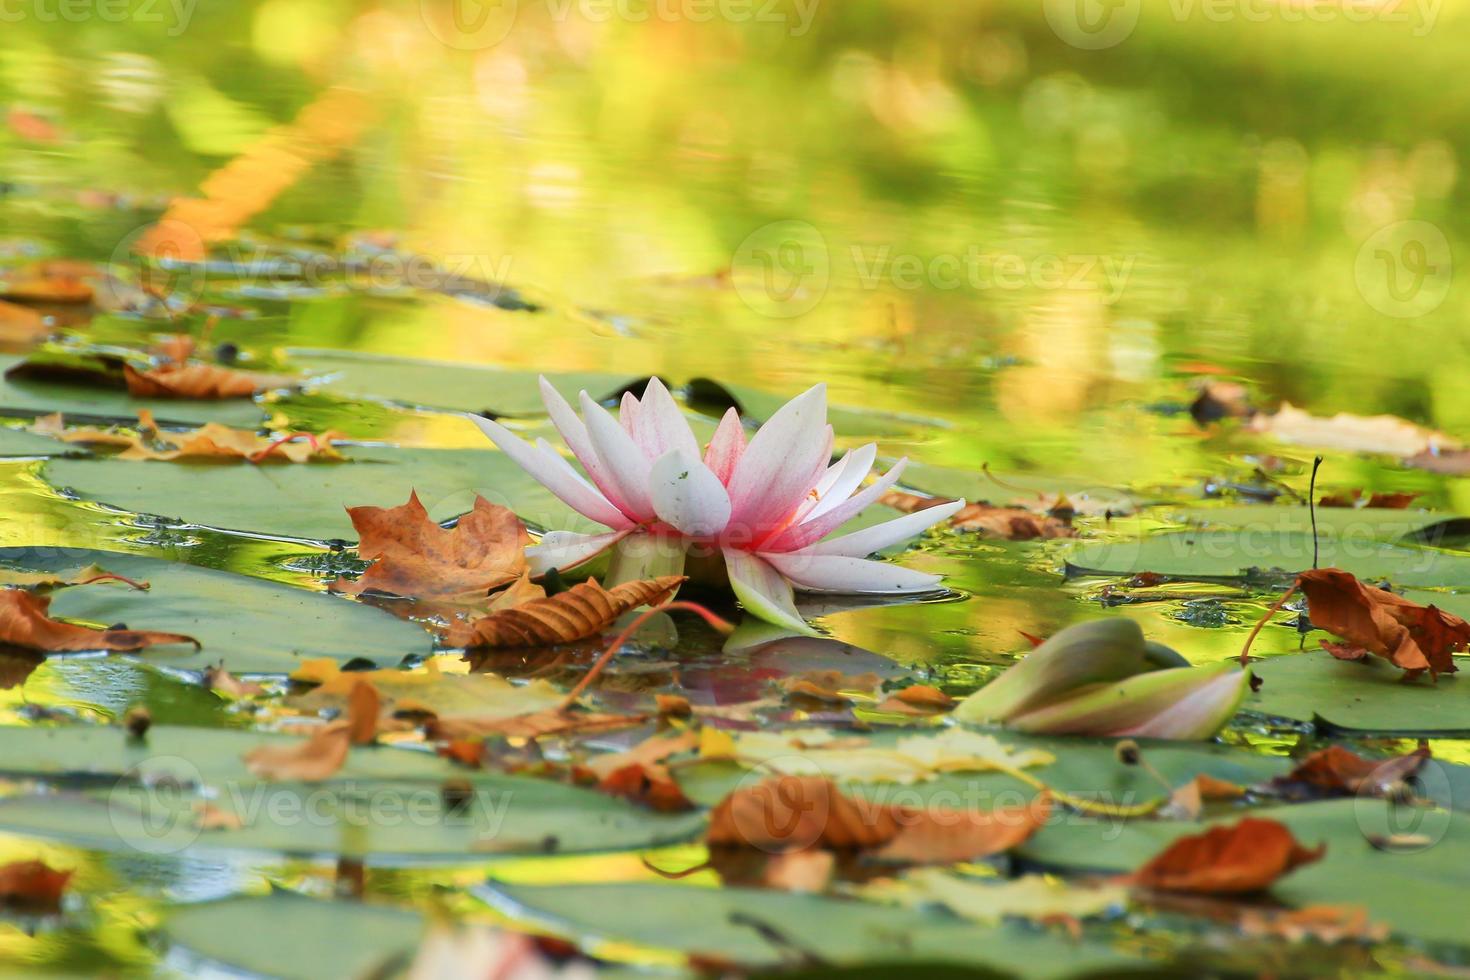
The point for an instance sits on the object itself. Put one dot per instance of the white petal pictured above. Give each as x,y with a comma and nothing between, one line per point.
554,473
628,414
845,476
859,544
763,592
567,549
776,470
835,573
659,425
574,434
627,467
726,447
687,495
816,528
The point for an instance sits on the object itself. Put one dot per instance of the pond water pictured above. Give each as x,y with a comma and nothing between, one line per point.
1008,255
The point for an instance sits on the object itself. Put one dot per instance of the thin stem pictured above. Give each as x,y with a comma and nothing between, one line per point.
1312,507
1275,608
110,577
627,633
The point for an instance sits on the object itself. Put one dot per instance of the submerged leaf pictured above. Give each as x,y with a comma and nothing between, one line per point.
580,612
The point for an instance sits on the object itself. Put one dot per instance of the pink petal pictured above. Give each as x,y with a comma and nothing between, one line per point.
859,544
780,465
660,426
835,573
687,495
627,467
567,549
840,480
574,433
727,446
763,592
816,528
628,414
554,473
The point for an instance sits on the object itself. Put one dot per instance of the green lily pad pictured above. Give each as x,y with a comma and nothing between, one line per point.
1416,890
449,386
310,500
30,397
1360,696
1248,553
294,937
1086,767
760,405
19,442
1360,524
1003,488
254,626
726,923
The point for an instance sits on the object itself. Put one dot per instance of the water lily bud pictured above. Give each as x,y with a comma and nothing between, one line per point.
1183,703
1127,752
137,720
1097,652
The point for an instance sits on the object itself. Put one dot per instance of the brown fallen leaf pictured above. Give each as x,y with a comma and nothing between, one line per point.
21,325
413,556
582,611
1248,856
44,283
534,725
198,380
787,813
1330,924
216,678
1188,801
649,752
650,786
1010,523
24,623
1385,434
32,886
831,685
16,666
309,761
1412,637
211,441
673,705
917,699
1339,771
1220,400
50,581
362,713
1385,501
808,871
911,503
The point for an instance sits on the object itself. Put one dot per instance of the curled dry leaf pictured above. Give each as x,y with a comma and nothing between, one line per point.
32,886
415,557
537,724
325,750
24,623
793,813
199,380
1412,637
576,614
1248,856
1010,523
1338,771
211,441
831,685
1329,924
649,785
48,581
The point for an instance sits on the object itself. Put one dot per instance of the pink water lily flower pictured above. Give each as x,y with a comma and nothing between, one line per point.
765,506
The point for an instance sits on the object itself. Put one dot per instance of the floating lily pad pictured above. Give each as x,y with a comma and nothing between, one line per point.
450,386
254,626
1361,524
725,924
1252,552
310,500
19,442
31,397
1418,891
1361,696
293,937
760,405
974,485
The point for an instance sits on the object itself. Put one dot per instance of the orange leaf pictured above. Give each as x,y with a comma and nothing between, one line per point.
534,725
310,761
19,325
1010,523
910,503
649,785
1246,857
362,712
197,381
937,836
1410,636
830,685
33,885
40,284
413,556
917,699
24,623
581,611
1336,770
1323,923
211,441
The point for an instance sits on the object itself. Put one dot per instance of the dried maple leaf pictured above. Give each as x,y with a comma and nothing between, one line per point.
1329,924
917,699
787,813
1245,857
1410,636
1386,434
24,623
831,685
198,380
1010,523
413,556
1338,771
211,441
581,611
32,885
